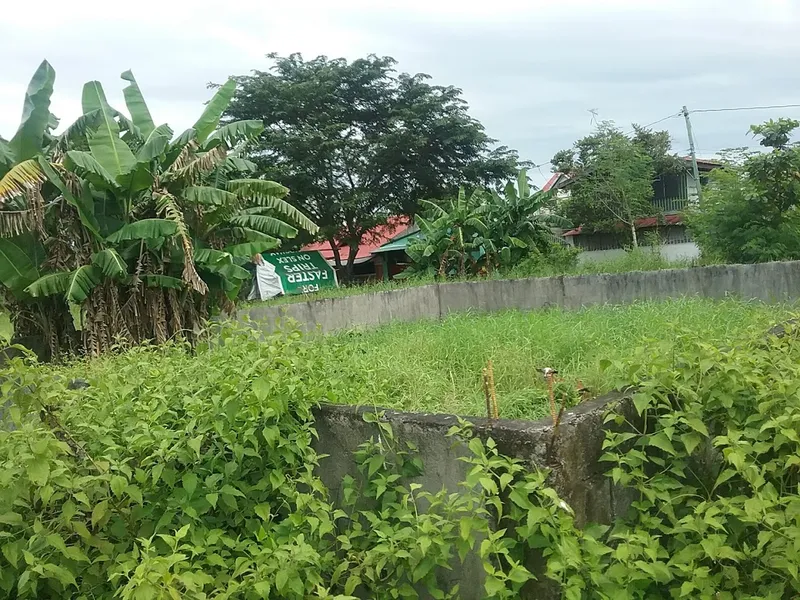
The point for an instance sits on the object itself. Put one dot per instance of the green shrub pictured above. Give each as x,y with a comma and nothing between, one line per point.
634,259
710,451
749,210
175,475
557,260
171,475
713,457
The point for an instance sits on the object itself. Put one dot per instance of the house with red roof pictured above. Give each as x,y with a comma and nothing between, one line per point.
368,264
673,193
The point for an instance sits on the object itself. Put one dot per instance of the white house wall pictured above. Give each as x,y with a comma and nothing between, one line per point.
670,252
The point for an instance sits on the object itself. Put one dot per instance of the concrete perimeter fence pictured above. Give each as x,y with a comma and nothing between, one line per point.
769,282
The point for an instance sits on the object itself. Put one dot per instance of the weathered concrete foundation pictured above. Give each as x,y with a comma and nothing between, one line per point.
571,452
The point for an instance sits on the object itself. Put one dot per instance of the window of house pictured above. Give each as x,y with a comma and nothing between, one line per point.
670,186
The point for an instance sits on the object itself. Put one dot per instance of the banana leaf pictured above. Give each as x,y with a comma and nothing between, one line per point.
84,203
264,224
75,285
29,139
107,148
236,132
110,263
19,266
144,229
209,196
252,248
140,115
209,120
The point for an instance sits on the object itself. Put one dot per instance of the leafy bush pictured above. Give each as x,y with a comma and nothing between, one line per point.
559,259
174,475
713,458
483,231
634,259
710,453
169,476
192,476
749,210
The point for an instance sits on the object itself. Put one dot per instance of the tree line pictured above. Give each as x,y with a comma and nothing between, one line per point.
116,230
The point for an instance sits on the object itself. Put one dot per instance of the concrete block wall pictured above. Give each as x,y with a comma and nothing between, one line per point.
571,452
768,282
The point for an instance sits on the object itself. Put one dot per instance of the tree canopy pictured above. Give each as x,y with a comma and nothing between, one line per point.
749,211
357,142
612,176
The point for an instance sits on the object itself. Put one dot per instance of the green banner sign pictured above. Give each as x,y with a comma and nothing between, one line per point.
301,272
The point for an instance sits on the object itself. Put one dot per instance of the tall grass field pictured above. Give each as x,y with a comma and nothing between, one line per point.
436,366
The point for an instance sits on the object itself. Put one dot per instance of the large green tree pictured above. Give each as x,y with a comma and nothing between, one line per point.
612,176
750,211
357,142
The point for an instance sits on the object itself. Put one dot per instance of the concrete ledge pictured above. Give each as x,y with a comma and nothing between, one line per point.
571,452
768,282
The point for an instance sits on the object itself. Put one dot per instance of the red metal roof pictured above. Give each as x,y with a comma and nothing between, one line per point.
551,182
372,240
558,180
640,223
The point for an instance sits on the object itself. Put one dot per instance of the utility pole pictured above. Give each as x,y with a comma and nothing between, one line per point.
695,171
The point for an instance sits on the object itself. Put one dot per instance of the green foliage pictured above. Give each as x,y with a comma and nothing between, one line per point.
145,486
711,453
174,475
170,475
749,210
612,176
35,123
483,231
435,367
357,142
451,236
117,202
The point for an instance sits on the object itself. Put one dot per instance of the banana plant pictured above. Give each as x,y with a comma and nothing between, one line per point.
519,222
133,212
483,230
449,234
21,180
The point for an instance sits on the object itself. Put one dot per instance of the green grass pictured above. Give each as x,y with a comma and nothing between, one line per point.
436,366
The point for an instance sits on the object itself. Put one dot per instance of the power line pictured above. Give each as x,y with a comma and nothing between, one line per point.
629,133
740,108
678,114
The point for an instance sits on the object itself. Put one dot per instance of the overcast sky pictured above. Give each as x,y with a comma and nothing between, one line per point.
530,70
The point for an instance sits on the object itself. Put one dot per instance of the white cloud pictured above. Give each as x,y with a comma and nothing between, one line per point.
530,69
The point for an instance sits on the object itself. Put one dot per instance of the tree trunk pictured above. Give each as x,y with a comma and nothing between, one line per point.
351,261
337,258
633,233
443,265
